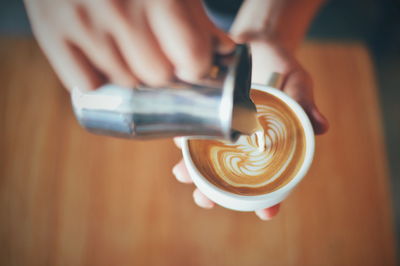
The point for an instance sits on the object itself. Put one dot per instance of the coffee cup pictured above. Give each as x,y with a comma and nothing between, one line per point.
264,178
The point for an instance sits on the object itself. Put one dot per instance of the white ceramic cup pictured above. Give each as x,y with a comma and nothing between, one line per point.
251,203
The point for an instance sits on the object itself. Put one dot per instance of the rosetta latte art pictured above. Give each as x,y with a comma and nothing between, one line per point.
242,167
245,164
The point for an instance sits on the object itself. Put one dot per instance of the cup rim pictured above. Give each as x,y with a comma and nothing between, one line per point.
308,157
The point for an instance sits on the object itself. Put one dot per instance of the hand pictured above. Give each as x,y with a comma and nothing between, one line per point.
126,42
269,57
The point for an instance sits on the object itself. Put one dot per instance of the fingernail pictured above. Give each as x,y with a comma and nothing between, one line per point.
263,216
201,200
269,213
204,204
177,174
178,142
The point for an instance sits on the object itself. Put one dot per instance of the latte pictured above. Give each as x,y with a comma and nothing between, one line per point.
255,164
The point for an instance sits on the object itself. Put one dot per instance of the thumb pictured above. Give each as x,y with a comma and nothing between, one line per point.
298,85
318,121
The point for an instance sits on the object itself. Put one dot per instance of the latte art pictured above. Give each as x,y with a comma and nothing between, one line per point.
259,163
246,163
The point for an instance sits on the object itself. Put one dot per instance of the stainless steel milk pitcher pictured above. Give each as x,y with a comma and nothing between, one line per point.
204,109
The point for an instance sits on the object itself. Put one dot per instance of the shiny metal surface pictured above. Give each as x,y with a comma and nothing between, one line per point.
203,110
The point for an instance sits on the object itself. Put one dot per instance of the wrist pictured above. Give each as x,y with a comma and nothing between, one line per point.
279,41
274,21
269,56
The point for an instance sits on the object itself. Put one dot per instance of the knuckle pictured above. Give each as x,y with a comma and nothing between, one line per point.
195,61
197,53
155,78
124,81
252,32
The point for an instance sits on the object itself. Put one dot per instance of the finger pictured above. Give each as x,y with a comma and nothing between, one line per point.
319,122
268,59
222,43
298,85
138,46
245,28
201,200
69,62
101,50
178,142
187,46
181,173
120,72
269,213
71,65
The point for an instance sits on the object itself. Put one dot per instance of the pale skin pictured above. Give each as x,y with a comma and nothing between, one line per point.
153,42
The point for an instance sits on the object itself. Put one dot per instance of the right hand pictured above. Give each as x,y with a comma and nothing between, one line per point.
126,42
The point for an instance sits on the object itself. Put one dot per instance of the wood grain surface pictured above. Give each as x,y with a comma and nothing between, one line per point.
71,198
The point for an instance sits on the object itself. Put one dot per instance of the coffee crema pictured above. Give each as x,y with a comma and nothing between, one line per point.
245,169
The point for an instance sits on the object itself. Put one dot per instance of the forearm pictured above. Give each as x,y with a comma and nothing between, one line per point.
284,21
293,21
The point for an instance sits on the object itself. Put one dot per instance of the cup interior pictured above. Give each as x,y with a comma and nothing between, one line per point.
200,180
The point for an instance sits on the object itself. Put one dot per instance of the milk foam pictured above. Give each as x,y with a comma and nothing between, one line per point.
259,134
255,155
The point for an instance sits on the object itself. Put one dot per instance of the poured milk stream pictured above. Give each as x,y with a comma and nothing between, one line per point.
260,136
246,122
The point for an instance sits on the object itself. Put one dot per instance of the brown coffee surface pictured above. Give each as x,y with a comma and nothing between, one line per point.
242,167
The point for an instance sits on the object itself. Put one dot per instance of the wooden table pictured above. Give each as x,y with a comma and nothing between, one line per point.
71,198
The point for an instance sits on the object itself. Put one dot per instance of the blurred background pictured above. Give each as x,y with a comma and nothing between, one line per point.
375,23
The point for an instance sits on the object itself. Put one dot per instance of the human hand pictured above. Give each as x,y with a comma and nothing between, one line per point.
126,42
270,57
